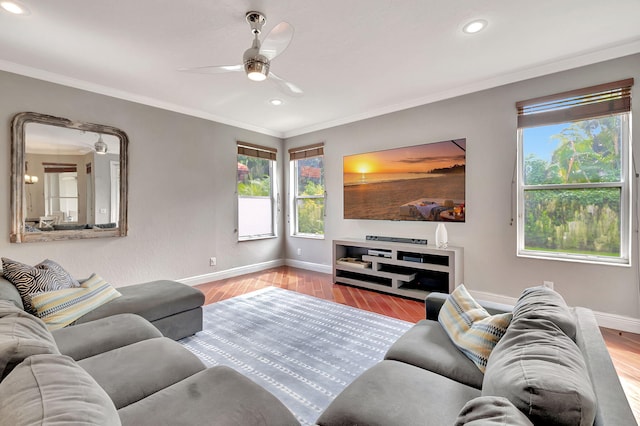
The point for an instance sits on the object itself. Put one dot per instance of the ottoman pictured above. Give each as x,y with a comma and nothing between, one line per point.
174,308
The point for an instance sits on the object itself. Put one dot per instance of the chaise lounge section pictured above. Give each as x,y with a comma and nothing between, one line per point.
173,308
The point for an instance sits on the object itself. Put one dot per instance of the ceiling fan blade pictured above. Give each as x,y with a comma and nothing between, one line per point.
213,69
277,40
286,86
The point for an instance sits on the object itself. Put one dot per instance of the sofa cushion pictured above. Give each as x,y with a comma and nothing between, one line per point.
45,276
427,345
102,335
542,372
135,371
153,300
21,335
395,393
62,307
544,303
54,390
470,327
216,396
491,411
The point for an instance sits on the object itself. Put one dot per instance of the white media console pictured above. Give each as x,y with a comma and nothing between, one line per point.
404,269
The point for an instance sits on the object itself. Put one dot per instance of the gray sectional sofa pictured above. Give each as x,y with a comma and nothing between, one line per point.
551,367
115,370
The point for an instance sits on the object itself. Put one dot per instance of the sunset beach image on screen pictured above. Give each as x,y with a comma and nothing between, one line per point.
416,183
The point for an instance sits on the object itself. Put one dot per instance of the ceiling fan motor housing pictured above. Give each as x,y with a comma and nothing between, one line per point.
255,65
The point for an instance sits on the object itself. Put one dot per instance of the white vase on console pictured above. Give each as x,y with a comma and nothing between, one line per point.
442,240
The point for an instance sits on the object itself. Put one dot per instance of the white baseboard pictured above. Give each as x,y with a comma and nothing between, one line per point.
230,273
617,322
316,267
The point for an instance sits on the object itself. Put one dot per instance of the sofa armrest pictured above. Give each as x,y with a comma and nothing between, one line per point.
434,302
613,406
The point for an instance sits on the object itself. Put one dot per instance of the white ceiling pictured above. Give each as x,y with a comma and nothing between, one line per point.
354,59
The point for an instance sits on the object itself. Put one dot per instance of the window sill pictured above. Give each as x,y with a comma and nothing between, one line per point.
257,237
594,260
309,236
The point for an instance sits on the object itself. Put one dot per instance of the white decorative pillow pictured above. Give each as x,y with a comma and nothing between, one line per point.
470,327
45,276
62,307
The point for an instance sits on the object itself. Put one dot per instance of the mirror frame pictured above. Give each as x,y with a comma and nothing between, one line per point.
18,234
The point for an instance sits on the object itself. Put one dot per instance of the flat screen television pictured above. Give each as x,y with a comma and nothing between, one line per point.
416,183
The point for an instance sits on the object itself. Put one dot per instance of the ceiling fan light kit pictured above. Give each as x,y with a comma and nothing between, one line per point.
256,70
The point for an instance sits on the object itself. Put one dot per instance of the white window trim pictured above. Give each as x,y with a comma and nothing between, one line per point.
294,204
275,206
625,206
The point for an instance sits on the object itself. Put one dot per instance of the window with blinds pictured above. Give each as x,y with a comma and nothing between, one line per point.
256,189
574,171
308,194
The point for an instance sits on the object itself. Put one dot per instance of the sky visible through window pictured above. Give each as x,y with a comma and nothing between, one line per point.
539,141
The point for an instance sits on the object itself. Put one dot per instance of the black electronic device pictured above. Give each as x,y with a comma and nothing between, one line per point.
396,239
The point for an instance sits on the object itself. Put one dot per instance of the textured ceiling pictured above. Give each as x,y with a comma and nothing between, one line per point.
354,59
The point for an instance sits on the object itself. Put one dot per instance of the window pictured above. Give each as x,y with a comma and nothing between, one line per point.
256,191
574,190
308,200
61,191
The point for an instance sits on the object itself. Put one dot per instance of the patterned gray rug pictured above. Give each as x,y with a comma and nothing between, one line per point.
302,349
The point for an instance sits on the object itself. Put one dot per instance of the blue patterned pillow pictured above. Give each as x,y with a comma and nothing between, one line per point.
45,276
470,327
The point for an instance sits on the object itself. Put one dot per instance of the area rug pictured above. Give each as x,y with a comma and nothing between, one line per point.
302,349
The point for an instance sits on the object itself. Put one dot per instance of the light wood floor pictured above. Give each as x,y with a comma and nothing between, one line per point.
623,347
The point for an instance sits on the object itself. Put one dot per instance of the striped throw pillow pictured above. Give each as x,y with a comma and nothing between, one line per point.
60,308
470,327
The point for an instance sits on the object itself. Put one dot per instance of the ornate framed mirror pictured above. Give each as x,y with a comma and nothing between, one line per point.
68,179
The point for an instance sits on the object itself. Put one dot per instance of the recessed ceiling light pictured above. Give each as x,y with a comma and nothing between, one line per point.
475,26
276,102
14,7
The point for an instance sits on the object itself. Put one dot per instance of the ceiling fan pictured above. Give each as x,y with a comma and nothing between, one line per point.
256,60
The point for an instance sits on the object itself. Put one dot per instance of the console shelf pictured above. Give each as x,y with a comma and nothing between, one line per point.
404,269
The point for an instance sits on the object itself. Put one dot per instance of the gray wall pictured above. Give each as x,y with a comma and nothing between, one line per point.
488,120
181,189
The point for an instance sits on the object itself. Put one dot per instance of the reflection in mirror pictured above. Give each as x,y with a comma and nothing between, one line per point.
69,179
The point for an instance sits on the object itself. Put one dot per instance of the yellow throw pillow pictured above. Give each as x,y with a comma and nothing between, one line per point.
60,308
470,327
